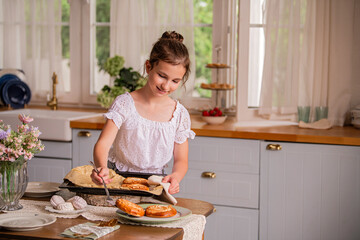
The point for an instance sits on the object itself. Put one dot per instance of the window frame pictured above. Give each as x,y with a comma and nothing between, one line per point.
243,112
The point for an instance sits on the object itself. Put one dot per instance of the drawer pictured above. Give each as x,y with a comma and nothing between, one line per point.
224,154
232,223
56,149
230,189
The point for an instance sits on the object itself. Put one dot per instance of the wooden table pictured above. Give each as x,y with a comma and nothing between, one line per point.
128,232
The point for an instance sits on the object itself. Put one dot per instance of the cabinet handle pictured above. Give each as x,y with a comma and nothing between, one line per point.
273,147
208,175
84,134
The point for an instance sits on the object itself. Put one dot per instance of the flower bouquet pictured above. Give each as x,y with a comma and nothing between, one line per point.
16,148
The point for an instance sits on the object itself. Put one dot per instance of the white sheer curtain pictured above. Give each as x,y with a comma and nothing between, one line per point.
137,24
308,60
31,40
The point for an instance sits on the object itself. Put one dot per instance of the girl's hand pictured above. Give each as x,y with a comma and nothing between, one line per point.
104,173
174,184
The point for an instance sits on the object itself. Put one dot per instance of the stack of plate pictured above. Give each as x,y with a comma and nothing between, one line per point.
13,90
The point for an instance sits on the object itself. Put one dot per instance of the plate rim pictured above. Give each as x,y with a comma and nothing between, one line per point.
49,219
155,220
42,193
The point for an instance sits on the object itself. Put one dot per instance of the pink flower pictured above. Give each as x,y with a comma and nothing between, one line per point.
25,119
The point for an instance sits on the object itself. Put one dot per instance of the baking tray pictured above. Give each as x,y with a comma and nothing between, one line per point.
101,191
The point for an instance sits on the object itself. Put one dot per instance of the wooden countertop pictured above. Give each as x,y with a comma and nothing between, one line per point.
347,135
54,230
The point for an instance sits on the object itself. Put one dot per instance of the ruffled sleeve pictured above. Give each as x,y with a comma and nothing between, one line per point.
184,131
119,109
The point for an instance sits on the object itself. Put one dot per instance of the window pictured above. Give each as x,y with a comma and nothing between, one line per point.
234,25
95,28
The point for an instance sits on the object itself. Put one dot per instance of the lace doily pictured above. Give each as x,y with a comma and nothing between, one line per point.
192,225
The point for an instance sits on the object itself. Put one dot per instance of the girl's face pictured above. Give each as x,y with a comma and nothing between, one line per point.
164,78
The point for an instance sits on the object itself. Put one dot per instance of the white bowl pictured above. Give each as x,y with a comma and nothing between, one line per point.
214,120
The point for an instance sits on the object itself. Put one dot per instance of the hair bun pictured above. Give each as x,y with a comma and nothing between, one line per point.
172,36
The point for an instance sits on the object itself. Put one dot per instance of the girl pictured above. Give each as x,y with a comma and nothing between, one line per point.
145,128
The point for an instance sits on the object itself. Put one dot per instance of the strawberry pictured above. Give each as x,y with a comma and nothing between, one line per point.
219,113
205,113
216,109
212,113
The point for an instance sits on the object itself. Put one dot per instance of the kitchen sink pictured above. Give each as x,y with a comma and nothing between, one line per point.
54,125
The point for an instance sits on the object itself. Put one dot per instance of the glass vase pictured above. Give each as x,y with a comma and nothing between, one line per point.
13,183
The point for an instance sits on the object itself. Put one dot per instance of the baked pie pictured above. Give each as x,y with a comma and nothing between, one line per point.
135,186
130,207
133,180
160,211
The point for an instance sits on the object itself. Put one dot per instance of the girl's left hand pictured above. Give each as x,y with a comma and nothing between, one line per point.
174,184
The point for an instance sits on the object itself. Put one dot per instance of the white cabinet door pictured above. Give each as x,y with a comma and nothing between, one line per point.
48,169
83,145
309,191
234,190
230,223
52,164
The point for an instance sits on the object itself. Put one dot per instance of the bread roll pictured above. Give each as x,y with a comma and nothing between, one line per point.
130,208
160,211
133,180
78,202
66,206
135,186
56,200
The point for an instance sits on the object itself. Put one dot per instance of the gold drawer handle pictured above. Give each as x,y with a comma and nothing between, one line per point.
208,175
273,147
84,134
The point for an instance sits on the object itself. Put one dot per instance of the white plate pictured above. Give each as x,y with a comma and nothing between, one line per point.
41,189
71,212
25,221
181,213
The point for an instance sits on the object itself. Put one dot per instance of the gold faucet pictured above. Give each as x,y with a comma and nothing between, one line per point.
53,103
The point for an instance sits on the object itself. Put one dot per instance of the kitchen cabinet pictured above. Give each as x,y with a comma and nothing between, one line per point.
51,164
83,146
225,172
309,191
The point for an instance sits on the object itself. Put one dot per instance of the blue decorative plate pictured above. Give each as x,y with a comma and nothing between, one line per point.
14,92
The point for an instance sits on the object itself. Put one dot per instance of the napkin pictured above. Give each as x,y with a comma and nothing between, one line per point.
88,230
154,179
321,124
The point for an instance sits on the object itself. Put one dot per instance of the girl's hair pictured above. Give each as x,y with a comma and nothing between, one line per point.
170,49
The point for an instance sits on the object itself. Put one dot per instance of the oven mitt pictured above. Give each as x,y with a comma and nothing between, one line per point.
88,230
154,179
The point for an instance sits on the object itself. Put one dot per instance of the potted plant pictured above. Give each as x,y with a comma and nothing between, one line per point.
125,80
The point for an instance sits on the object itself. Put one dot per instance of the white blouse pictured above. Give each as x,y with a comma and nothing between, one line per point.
142,145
